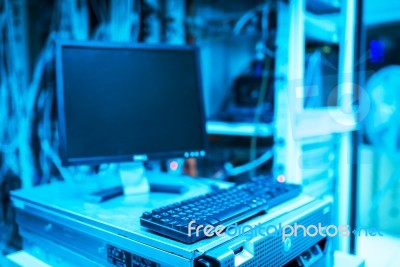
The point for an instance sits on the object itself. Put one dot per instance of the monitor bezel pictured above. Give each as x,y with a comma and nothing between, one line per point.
66,161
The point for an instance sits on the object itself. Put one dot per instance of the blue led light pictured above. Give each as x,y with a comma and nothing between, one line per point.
377,49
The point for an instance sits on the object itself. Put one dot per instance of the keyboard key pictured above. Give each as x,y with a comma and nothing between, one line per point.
212,221
231,212
156,218
178,226
164,221
171,224
147,215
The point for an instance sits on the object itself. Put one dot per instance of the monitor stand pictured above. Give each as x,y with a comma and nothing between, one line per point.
134,182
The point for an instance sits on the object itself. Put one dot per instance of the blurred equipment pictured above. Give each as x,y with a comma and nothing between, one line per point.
321,76
252,94
383,130
225,206
382,42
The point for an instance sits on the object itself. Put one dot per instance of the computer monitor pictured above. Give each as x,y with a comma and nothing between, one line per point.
128,102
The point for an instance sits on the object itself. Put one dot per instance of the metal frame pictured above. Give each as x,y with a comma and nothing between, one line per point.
331,126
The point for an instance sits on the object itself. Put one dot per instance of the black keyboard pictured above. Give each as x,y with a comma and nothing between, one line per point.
221,207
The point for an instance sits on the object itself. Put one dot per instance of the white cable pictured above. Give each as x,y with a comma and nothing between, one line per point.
53,155
233,171
244,19
264,22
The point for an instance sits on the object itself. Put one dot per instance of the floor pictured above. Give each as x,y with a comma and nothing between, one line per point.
382,251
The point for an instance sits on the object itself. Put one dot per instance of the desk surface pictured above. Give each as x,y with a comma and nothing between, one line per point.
62,202
24,259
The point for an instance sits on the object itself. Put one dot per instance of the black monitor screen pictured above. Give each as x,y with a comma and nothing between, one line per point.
124,103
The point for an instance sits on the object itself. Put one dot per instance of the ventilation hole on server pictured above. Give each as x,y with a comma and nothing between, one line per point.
229,263
274,246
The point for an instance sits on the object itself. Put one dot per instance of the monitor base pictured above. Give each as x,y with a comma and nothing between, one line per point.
136,181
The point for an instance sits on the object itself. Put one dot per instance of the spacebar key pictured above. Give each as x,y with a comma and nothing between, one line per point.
232,213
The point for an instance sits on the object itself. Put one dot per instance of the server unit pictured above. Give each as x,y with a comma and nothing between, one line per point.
60,228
